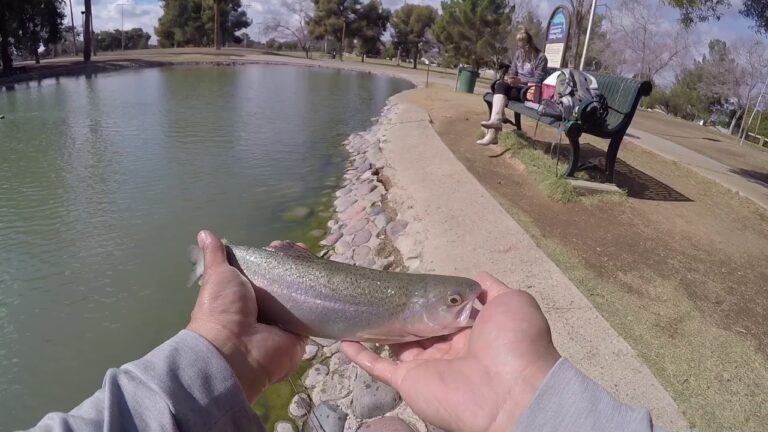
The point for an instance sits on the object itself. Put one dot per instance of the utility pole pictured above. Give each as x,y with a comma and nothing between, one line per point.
74,32
589,32
341,45
93,34
122,25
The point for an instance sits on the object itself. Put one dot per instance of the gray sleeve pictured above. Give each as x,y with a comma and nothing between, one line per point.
570,401
540,69
182,385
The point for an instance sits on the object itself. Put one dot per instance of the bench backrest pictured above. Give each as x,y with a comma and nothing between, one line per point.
623,95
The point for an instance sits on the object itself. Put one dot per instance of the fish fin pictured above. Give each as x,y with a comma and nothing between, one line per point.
290,248
196,255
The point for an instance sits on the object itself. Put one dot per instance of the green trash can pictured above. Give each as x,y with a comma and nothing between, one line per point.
467,80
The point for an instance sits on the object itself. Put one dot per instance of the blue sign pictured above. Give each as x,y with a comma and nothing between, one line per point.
557,31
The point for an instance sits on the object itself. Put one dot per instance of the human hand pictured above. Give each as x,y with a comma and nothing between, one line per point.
514,81
480,379
226,315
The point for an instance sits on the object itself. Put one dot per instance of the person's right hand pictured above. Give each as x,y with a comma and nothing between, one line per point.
514,81
478,380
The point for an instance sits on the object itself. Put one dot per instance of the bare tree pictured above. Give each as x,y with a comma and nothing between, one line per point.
647,43
297,26
579,18
753,60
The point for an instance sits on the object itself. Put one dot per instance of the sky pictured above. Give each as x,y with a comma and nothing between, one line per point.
144,13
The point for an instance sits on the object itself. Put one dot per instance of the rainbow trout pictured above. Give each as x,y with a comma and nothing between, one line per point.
311,296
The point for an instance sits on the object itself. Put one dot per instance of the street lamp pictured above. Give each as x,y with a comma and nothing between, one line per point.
122,24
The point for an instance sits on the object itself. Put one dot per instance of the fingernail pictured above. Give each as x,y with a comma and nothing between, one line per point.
203,237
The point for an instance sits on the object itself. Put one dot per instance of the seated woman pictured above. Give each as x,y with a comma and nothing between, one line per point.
529,66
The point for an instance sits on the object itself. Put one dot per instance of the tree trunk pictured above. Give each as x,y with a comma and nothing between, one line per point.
733,122
5,53
37,57
415,58
87,32
362,58
216,25
306,52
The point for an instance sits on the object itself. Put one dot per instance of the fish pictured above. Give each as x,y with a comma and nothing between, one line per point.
311,296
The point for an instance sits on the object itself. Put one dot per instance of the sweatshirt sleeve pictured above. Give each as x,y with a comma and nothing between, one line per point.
540,69
182,385
570,401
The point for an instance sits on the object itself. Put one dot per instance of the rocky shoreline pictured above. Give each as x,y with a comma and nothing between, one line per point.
338,396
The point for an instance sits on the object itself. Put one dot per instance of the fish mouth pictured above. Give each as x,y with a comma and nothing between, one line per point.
467,315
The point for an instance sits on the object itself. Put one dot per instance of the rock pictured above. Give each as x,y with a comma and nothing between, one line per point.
361,238
375,211
343,192
355,227
310,351
351,212
317,233
361,254
338,360
396,228
298,213
332,349
342,247
371,398
332,223
346,259
299,406
365,189
337,385
315,374
284,426
386,424
381,220
331,239
325,417
344,203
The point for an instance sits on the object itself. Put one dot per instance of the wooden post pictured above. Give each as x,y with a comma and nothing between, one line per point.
341,45
427,86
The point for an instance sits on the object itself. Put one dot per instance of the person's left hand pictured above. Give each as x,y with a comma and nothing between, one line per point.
226,315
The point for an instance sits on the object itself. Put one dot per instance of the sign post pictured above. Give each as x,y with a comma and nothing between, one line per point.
558,29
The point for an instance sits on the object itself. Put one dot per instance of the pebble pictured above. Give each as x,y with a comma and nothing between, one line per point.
361,254
346,259
381,220
325,417
386,424
310,351
355,227
372,398
352,212
365,188
375,211
332,348
337,385
284,426
338,360
342,247
361,238
299,406
315,374
317,233
344,203
323,341
396,228
298,213
343,192
331,239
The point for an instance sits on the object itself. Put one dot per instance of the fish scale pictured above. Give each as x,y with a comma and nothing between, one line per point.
307,295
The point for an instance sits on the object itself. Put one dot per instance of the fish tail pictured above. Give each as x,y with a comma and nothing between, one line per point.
196,255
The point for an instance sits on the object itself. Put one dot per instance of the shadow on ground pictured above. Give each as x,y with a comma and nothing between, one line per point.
758,177
637,183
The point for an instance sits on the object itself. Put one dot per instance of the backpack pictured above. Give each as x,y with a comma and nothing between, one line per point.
577,98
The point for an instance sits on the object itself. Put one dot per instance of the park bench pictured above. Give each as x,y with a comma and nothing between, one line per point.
623,96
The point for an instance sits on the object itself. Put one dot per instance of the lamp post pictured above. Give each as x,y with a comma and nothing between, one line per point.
74,32
122,24
589,32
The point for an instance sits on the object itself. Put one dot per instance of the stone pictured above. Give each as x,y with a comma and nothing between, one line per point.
352,212
315,374
382,220
325,417
375,210
361,254
284,426
331,239
343,192
365,189
298,213
310,351
386,424
317,233
299,406
338,360
346,259
372,398
332,223
395,228
361,238
344,203
355,227
323,342
342,247
337,386
368,263
332,349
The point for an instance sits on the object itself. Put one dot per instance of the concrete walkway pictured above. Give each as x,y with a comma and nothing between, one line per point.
458,228
753,189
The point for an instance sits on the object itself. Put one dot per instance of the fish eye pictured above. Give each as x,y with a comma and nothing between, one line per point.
454,300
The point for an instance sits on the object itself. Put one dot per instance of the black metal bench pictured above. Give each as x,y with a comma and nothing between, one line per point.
623,95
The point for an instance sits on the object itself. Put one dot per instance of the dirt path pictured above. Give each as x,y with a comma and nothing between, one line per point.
678,270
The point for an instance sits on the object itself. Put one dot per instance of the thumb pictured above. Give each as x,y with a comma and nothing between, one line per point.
214,254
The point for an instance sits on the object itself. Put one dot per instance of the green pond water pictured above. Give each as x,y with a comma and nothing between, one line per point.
104,182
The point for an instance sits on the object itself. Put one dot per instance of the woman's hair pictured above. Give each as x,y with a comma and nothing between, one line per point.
523,35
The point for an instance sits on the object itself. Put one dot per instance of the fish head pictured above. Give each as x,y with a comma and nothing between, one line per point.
447,306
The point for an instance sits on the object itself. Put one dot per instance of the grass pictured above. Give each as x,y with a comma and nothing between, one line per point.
546,172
